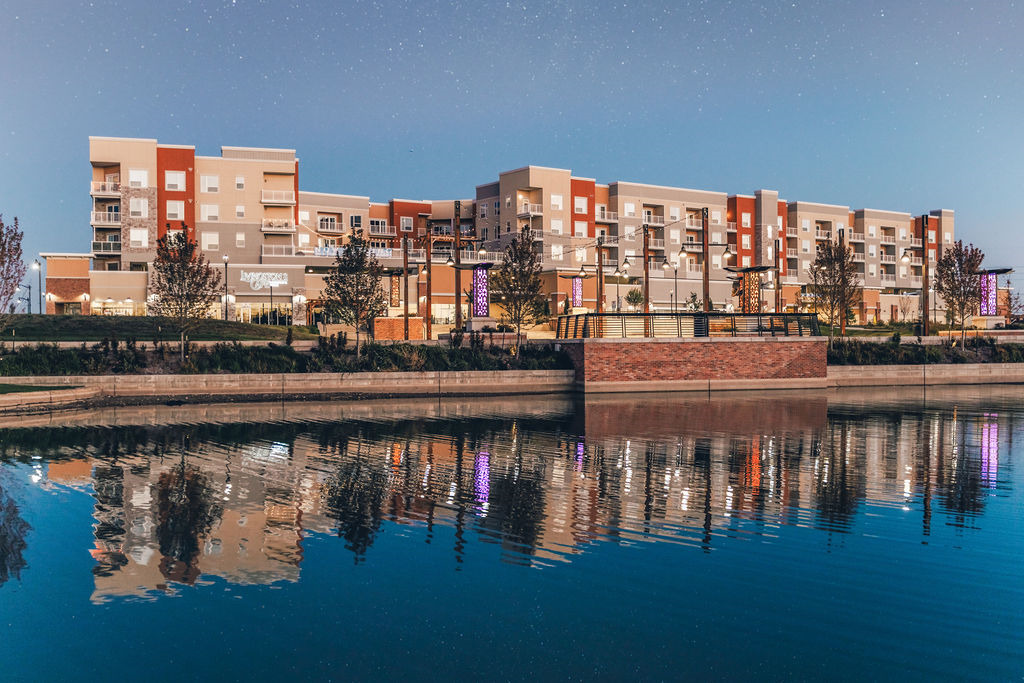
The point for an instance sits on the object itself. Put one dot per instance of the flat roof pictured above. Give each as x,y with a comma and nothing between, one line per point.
666,187
256,149
542,168
104,137
57,254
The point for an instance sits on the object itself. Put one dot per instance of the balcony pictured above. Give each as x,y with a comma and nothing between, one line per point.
858,257
694,223
856,237
914,281
331,227
887,258
914,242
654,219
693,247
888,278
606,217
791,253
278,197
823,234
105,218
384,230
655,244
279,226
279,250
106,247
105,189
791,232
526,210
730,227
887,239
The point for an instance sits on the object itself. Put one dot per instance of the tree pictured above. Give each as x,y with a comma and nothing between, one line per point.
958,283
352,290
1014,303
835,283
693,303
907,304
518,279
12,268
182,283
635,298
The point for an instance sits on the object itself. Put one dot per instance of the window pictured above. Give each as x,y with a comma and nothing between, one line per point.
303,216
406,223
175,210
805,266
556,252
716,216
716,260
770,254
903,234
210,212
931,255
303,239
805,246
138,207
871,231
629,209
174,181
239,182
871,270
556,202
209,183
630,231
211,241
239,211
508,201
357,221
496,206
746,261
839,226
931,235
581,255
556,226
716,237
328,223
579,204
673,236
601,210
871,250
745,219
138,178
673,213
579,228
746,241
779,221
139,238
805,224
947,238
240,239
483,210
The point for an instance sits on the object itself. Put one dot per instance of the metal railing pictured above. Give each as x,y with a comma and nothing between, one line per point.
105,218
527,209
684,325
107,247
856,237
606,216
277,225
653,219
653,243
791,232
384,230
105,188
278,196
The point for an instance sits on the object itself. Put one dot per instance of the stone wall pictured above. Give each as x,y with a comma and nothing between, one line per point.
698,364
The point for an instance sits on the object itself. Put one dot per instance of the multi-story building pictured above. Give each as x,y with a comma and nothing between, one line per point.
275,243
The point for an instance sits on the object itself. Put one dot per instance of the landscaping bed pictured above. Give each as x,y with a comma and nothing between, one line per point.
975,350
148,329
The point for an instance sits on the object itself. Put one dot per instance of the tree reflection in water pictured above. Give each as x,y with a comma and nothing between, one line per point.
355,496
186,510
13,529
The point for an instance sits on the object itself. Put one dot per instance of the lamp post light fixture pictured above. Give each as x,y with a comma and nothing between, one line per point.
38,267
665,265
225,287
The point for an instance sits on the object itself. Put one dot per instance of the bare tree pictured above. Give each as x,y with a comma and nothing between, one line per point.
518,279
907,304
182,283
1014,303
835,283
12,268
353,290
958,283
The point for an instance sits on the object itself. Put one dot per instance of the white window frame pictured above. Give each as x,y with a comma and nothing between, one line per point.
746,261
303,239
745,220
805,224
673,236
239,240
356,221
406,222
581,255
209,183
579,205
171,181
138,177
138,238
629,210
138,207
716,217
239,210
175,210
210,240
556,202
872,231
579,228
745,242
209,212
805,246
556,226
303,216
673,213
947,237
239,182
556,252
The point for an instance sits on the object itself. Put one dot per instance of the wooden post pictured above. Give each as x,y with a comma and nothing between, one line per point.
647,269
924,279
405,276
458,259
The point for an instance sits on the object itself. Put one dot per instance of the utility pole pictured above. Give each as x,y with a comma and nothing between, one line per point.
429,302
458,257
647,269
405,276
707,259
842,313
778,276
600,275
924,279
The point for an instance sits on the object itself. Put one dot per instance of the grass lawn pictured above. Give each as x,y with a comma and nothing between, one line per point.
17,388
142,328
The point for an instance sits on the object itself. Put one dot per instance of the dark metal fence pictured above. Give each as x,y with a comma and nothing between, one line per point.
618,325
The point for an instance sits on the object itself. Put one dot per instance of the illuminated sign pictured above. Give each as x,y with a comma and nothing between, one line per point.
989,292
577,292
332,252
480,293
259,280
751,292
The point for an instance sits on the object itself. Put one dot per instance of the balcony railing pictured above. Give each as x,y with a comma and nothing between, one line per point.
887,278
791,253
694,223
106,247
914,242
823,234
383,230
620,325
105,189
106,218
286,197
791,232
654,219
693,247
730,227
655,243
278,250
887,239
333,227
858,257
526,210
887,258
278,225
856,237
606,217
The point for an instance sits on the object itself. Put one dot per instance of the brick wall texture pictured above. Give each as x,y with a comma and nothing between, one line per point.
636,361
394,328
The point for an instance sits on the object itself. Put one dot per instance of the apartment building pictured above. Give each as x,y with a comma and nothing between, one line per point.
275,242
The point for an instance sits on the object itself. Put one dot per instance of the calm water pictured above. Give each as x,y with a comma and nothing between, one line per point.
829,536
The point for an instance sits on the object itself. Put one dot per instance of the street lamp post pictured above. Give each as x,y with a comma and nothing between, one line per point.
28,299
225,287
647,269
38,267
618,302
665,265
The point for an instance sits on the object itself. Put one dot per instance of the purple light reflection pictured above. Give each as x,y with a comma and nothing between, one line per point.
482,479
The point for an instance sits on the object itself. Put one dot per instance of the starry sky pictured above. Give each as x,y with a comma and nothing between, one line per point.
907,106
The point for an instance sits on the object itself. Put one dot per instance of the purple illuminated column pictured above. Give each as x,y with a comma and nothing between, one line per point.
481,307
577,292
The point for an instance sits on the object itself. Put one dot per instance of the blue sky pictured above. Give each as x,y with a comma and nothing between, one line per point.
905,106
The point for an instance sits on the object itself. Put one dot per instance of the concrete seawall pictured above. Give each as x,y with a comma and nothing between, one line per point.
924,375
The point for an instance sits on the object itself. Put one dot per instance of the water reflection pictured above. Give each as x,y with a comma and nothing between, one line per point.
174,504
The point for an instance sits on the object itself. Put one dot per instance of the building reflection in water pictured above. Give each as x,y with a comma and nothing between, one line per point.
13,530
180,505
